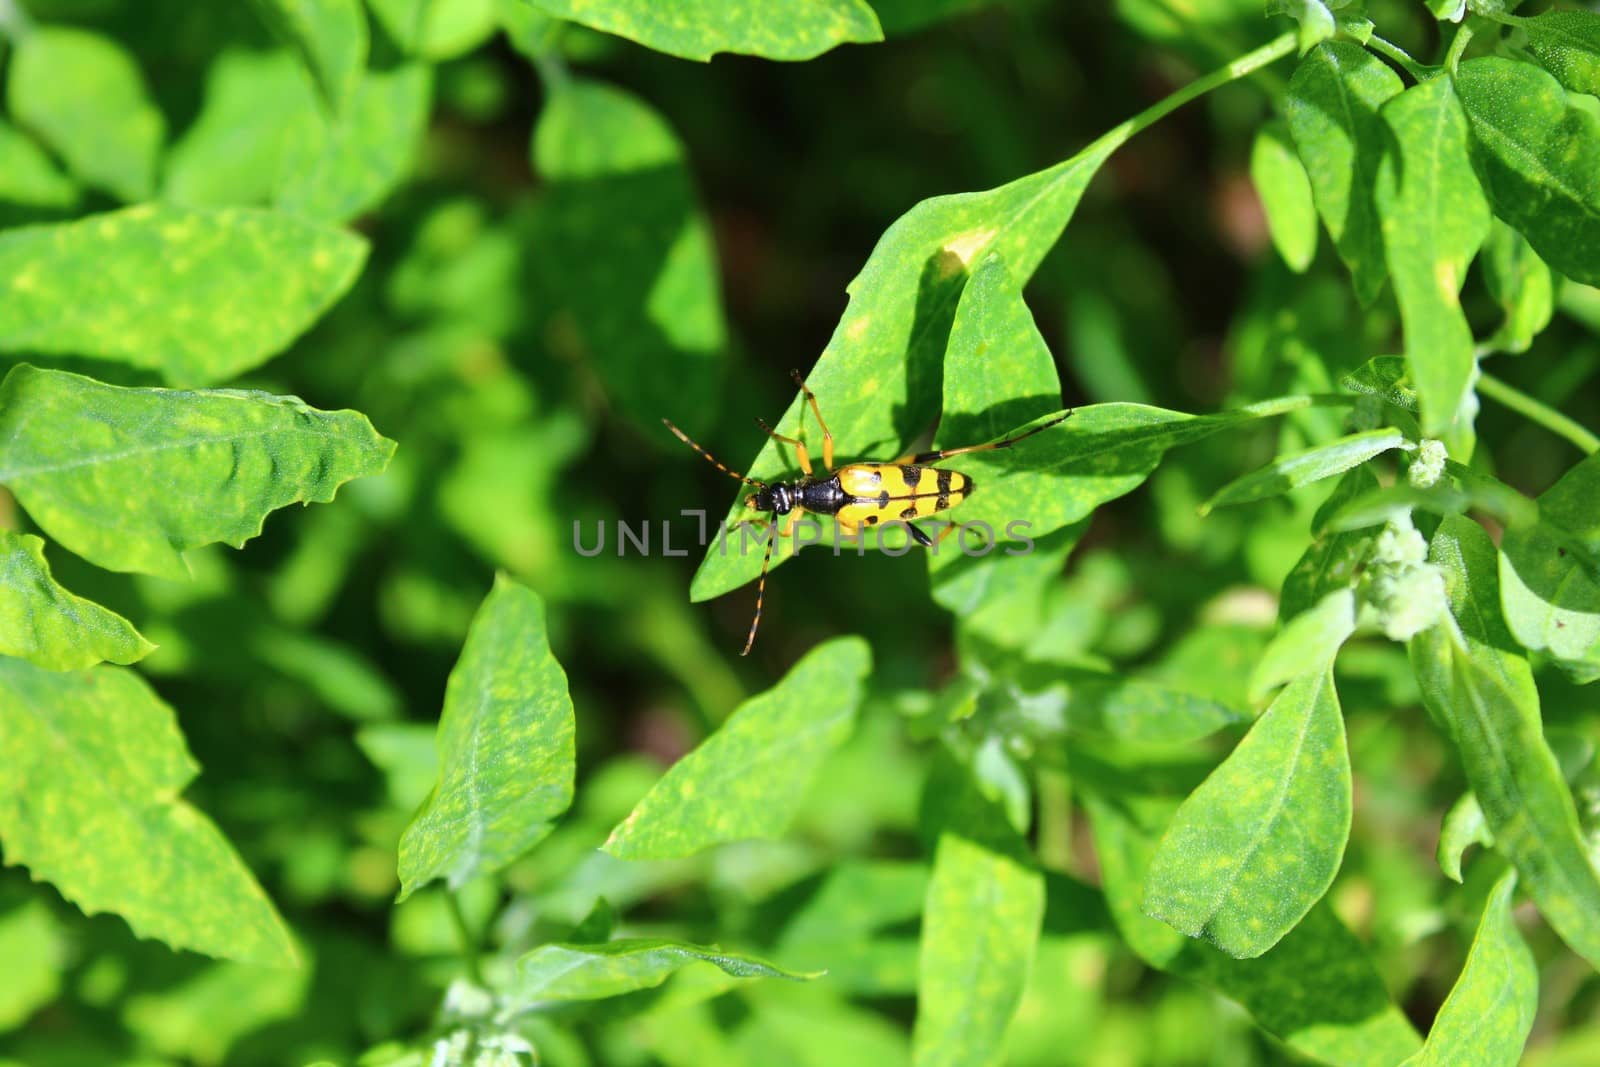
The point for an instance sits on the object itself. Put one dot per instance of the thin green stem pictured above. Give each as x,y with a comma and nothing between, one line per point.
1539,412
1419,71
469,943
1458,47
1242,67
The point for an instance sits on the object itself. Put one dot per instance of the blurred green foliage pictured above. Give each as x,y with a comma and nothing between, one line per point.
512,235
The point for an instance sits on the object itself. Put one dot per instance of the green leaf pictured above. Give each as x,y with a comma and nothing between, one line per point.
699,29
1537,156
233,152
1316,18
1332,561
1550,593
1463,827
89,802
507,756
879,379
337,168
1568,44
1487,1017
28,177
331,39
624,252
150,473
1285,190
34,947
1332,108
613,968
980,928
46,625
1062,706
438,29
1258,843
1521,283
857,926
998,375
199,296
1434,219
1307,643
749,779
1482,694
1316,990
84,96
1302,468
1386,377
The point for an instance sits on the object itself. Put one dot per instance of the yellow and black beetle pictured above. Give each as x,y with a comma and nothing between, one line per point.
857,494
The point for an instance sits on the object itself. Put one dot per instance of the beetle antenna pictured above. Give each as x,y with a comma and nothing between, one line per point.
761,588
715,463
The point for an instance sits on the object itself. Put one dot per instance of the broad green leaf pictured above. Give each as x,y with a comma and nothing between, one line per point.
33,947
1313,464
438,29
980,928
623,253
1568,44
233,152
46,625
1332,108
699,29
331,39
1307,642
855,927
998,375
879,379
1258,843
1064,705
1521,283
1333,560
1434,217
1386,377
749,779
1537,156
337,168
1316,989
196,295
613,968
84,96
28,177
1482,694
507,756
1462,828
1487,1017
1285,190
89,802
150,473
1551,598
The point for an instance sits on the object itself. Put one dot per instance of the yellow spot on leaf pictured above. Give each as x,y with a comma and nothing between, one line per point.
967,246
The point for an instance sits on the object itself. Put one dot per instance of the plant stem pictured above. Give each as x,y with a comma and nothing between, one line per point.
1539,412
1457,47
1242,67
469,943
1419,71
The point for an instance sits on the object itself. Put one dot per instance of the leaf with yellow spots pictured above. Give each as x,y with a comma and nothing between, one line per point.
1434,217
1258,843
749,779
614,968
146,474
198,296
46,625
507,756
699,29
89,803
1487,1017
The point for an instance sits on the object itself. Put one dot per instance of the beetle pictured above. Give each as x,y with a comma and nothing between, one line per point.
857,494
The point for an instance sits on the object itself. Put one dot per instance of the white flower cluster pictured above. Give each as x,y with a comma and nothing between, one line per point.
1427,465
1405,591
